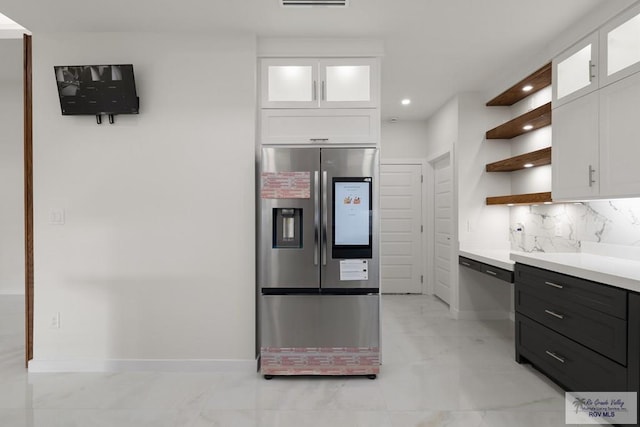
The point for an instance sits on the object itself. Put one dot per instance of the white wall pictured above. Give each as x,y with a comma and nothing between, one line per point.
156,259
478,222
404,139
442,129
11,169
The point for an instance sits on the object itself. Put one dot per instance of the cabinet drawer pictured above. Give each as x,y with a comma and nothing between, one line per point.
571,364
487,269
560,287
320,126
598,331
469,263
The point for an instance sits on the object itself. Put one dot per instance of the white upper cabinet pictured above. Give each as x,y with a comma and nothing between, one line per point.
595,135
619,136
319,83
575,162
575,71
620,47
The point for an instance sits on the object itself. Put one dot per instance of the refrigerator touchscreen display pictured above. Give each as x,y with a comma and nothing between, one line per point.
351,216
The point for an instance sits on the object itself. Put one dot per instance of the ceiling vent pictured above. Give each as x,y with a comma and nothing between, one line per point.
313,3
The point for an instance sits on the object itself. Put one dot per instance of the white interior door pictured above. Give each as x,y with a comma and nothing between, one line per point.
443,221
401,228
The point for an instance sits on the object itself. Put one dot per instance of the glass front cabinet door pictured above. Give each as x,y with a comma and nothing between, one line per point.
289,83
319,83
575,71
620,47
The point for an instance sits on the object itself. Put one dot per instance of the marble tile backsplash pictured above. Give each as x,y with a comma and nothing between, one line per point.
562,227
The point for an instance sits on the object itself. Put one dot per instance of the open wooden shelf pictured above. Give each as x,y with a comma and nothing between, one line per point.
539,79
539,117
520,199
536,158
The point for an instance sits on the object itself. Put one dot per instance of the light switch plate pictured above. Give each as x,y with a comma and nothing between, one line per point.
56,216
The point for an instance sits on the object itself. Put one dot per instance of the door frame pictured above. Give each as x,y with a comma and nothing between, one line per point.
427,283
28,194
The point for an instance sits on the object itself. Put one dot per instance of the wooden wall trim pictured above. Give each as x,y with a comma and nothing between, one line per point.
28,196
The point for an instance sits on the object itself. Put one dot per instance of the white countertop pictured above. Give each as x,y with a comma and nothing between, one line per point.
613,265
612,270
495,257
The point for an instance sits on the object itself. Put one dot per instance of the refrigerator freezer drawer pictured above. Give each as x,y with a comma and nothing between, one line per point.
289,321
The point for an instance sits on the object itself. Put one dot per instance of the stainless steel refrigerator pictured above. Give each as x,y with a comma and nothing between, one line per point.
318,261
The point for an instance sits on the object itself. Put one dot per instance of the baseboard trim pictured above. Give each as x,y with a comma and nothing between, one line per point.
480,315
142,365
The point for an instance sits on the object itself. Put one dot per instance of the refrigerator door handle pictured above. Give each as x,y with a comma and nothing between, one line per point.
316,215
325,206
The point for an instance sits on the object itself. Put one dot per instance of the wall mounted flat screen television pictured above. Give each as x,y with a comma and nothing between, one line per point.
97,89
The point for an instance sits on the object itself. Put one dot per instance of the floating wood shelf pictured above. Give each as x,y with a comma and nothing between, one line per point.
540,117
534,158
520,199
538,80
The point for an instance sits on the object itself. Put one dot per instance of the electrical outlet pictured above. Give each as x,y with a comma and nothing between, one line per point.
558,230
55,321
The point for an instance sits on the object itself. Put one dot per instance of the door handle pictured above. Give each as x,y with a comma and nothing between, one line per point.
325,207
316,215
315,91
323,91
591,180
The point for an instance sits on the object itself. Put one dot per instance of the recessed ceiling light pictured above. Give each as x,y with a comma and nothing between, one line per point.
528,165
547,203
510,204
527,88
405,101
527,127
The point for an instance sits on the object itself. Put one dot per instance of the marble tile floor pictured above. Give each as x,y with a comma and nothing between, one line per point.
437,372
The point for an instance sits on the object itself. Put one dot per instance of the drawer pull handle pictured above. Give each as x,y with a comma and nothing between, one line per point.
555,356
319,139
493,273
466,264
555,285
559,316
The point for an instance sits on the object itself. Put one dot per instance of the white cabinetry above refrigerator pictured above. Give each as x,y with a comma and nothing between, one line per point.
319,101
319,83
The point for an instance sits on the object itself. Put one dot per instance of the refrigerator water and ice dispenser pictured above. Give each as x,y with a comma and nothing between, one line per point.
287,228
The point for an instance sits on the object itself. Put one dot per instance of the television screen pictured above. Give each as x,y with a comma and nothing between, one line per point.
97,89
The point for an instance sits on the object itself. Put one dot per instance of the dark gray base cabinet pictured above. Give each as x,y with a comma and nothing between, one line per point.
583,335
